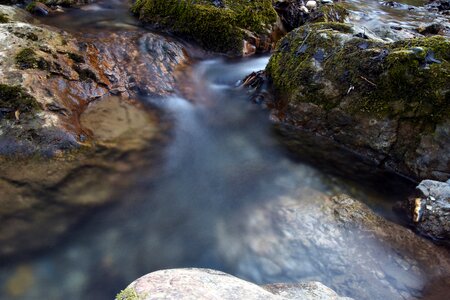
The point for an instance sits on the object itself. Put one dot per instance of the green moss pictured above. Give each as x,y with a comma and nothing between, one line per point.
15,98
27,35
4,18
127,294
86,74
215,28
330,13
325,65
28,59
31,6
76,57
293,68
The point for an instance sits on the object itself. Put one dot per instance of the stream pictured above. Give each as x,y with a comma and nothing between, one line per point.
223,169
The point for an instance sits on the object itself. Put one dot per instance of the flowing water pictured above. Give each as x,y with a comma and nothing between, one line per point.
222,166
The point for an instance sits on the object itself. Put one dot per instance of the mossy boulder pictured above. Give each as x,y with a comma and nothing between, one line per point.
220,28
388,101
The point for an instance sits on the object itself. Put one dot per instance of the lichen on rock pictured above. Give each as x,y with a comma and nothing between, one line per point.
127,294
3,18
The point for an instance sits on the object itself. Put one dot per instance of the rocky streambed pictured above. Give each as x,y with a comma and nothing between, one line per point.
131,146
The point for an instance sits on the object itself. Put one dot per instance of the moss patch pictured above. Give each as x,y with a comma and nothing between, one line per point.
127,294
31,6
4,18
219,29
27,35
330,13
77,58
28,59
325,64
15,98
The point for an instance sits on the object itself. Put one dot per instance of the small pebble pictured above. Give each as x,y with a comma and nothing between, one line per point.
311,4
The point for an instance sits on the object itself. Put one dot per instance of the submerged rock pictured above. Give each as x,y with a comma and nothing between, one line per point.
221,28
429,209
199,284
388,102
336,240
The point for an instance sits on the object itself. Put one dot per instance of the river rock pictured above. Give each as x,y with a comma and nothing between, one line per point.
429,209
220,28
387,102
38,8
336,240
199,284
293,13
442,6
68,109
48,78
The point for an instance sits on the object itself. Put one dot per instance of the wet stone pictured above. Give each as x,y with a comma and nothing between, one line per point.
429,209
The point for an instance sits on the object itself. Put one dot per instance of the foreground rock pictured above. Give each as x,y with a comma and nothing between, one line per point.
234,27
388,102
312,290
338,241
209,284
68,110
429,209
